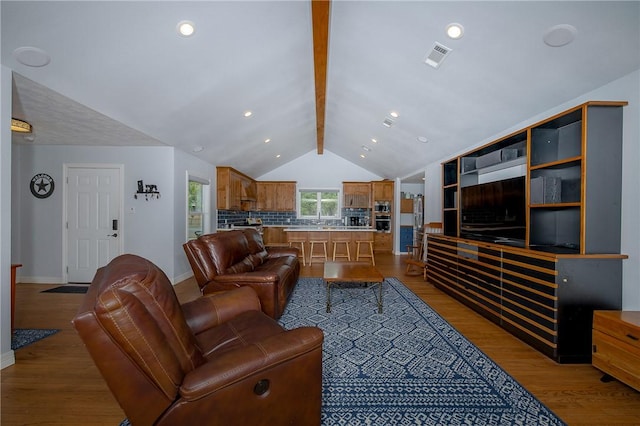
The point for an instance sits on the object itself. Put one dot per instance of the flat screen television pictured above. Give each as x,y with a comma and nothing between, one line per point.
494,211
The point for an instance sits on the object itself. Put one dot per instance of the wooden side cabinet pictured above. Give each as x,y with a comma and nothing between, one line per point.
616,345
546,300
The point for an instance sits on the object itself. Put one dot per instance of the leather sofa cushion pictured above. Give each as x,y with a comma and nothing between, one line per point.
245,265
245,329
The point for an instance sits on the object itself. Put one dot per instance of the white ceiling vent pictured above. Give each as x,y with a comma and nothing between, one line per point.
387,122
437,55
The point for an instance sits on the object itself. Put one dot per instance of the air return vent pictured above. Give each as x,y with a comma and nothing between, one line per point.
437,55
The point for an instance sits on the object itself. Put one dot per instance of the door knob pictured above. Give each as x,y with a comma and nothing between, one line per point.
115,234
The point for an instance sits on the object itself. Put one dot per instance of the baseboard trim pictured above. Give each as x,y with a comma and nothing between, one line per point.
40,280
181,277
7,359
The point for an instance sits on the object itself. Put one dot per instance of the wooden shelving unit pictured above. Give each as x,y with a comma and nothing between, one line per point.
545,288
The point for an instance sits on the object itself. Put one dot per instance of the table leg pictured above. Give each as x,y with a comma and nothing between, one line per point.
14,266
328,296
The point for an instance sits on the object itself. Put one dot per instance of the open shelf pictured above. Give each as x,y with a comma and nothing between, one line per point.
571,164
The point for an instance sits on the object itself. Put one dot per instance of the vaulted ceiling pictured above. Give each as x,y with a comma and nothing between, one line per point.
120,74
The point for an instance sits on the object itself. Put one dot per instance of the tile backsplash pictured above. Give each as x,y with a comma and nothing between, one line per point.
227,218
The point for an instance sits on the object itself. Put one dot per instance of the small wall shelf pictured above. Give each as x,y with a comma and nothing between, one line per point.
147,195
149,191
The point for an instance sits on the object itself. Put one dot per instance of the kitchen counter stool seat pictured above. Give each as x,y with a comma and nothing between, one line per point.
360,253
343,254
312,251
296,240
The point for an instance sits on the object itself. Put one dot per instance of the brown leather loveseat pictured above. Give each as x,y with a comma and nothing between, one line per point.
237,258
217,360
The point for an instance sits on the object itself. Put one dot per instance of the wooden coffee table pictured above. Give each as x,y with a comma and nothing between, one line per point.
352,272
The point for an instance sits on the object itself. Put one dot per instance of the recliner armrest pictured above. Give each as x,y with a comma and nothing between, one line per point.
236,365
213,309
275,251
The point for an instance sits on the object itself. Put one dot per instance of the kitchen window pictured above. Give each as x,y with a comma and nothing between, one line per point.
318,204
197,207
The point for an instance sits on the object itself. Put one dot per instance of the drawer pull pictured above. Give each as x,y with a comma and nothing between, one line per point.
632,337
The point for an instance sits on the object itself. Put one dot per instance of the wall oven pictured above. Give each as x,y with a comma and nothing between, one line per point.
383,222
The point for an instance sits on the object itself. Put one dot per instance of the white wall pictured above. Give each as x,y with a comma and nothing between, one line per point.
185,163
624,89
320,171
6,354
147,231
406,219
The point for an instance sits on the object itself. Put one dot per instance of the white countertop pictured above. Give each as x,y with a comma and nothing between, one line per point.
330,228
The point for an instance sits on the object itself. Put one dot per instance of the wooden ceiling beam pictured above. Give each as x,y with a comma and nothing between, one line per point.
320,13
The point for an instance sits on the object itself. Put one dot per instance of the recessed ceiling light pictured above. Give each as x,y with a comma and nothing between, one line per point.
560,35
374,140
278,156
393,114
455,31
247,113
267,140
422,139
31,56
186,28
362,156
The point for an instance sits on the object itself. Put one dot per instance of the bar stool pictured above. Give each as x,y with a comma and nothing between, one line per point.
346,253
313,255
296,240
365,255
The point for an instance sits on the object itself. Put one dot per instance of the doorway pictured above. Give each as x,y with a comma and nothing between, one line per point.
93,233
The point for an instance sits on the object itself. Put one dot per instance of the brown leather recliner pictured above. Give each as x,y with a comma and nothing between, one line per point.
216,360
230,259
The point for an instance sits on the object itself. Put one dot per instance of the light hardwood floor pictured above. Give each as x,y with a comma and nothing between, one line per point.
54,382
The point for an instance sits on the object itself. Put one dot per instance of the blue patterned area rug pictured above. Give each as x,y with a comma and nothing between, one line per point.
406,366
22,337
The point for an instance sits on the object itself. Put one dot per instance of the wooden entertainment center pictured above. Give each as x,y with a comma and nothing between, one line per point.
539,270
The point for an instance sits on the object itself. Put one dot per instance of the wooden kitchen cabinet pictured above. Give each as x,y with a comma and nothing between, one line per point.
276,196
382,190
616,345
356,194
235,190
406,205
274,235
286,196
382,242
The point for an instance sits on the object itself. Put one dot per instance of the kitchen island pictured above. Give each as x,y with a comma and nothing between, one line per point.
351,234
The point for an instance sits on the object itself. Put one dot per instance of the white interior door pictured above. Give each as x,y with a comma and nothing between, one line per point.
93,220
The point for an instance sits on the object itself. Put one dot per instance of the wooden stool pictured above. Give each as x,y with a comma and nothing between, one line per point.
346,254
292,241
365,255
313,255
